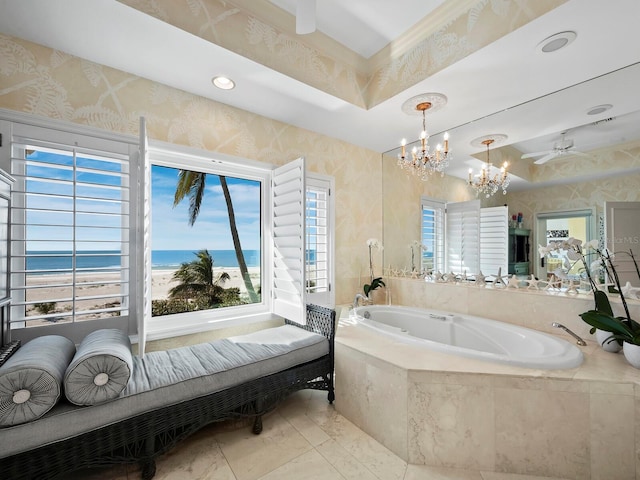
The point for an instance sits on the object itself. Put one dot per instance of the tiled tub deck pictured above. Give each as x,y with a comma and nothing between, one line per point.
436,409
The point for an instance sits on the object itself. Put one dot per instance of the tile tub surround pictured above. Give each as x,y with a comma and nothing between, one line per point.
535,309
439,410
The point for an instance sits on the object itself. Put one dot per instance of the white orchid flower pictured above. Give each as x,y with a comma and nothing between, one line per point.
542,251
573,255
596,265
591,244
574,242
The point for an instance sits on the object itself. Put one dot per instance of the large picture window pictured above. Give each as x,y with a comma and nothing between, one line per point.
206,240
107,232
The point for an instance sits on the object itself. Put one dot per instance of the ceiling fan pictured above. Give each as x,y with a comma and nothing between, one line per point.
305,16
560,148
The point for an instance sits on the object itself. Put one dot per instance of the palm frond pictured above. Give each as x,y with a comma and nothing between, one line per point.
192,185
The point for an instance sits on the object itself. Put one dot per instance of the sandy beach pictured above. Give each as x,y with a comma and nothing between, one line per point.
103,289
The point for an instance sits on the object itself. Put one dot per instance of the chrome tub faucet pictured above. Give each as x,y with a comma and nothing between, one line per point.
579,340
358,297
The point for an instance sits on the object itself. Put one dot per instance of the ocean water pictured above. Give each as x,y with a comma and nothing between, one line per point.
221,258
160,259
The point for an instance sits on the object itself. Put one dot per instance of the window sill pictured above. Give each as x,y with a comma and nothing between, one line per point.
178,325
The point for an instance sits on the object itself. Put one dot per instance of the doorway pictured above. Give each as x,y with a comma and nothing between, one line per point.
556,227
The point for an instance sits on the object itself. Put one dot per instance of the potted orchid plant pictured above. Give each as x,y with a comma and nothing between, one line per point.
620,329
376,282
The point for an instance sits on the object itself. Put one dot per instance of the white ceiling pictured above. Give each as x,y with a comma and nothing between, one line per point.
365,26
507,87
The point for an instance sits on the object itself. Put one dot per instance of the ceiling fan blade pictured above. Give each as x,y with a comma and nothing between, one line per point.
546,158
305,17
579,154
536,154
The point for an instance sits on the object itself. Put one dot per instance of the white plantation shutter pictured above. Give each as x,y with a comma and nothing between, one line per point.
288,236
494,236
432,233
318,241
70,212
144,232
463,237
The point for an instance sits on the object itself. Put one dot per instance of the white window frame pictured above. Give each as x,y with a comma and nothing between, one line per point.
188,158
171,155
540,232
54,131
494,240
439,209
326,184
462,237
490,230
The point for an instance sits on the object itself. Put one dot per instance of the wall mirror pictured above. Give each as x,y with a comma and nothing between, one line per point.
605,167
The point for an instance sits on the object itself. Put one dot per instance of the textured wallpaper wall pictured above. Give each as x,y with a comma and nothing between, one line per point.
453,31
48,83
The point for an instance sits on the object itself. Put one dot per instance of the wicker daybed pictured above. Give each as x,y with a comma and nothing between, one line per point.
141,436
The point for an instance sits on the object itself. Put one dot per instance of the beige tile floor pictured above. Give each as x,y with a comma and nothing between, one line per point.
304,439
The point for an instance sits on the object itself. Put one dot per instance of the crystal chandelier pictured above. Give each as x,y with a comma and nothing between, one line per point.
483,182
423,162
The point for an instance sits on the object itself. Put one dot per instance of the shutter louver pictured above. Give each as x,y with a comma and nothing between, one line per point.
463,237
70,221
432,233
288,228
494,236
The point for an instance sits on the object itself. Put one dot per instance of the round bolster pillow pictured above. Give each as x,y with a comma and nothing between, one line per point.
31,379
100,369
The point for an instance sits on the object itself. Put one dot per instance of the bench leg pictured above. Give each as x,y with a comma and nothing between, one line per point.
331,396
148,469
257,425
148,465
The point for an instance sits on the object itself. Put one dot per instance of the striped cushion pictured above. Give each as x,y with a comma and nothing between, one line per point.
100,369
31,380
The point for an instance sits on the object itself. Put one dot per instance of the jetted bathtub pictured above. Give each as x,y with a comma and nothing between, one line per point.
470,336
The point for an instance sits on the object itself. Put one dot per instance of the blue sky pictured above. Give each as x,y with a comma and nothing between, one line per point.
51,230
170,226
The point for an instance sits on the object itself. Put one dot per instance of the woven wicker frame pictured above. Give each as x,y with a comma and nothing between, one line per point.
142,438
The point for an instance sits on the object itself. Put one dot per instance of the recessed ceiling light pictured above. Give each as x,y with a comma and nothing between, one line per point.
556,42
599,109
224,83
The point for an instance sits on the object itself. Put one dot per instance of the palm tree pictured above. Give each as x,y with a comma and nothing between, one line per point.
192,184
197,278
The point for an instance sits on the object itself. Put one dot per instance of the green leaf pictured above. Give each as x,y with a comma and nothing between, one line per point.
602,302
375,283
607,323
